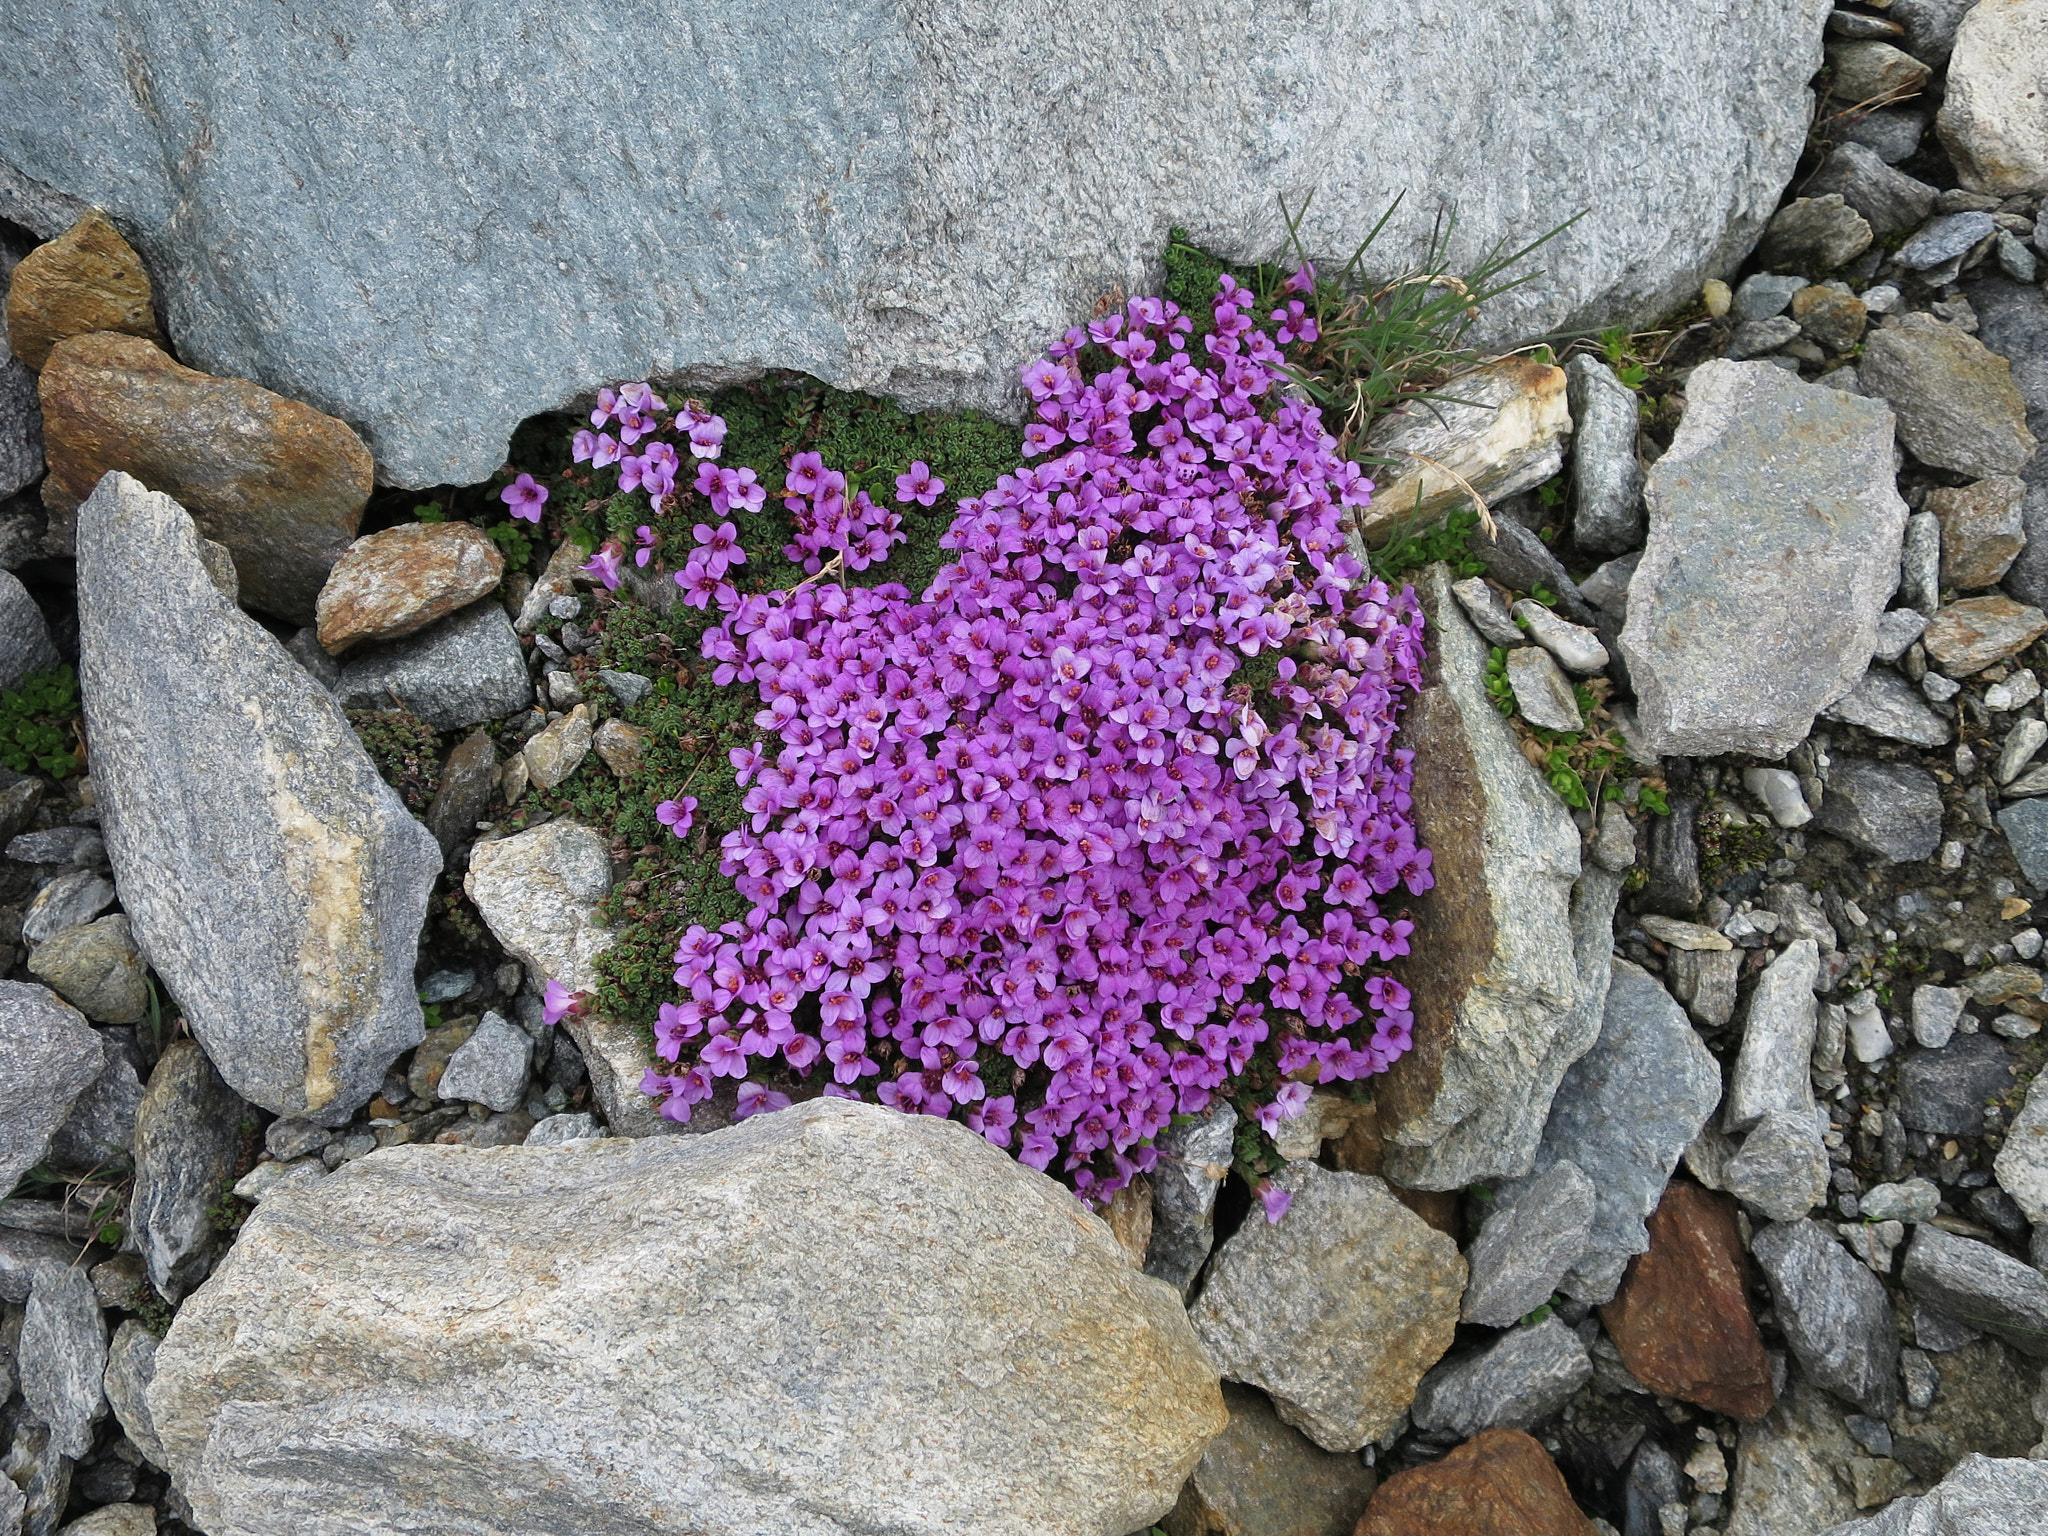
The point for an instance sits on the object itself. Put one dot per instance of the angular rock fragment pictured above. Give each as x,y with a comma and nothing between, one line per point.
97,969
1835,1315
1781,1169
1868,70
459,672
1888,199
1771,1072
468,778
1889,809
1955,400
278,483
403,579
1981,1496
1985,1288
64,903
189,1135
1775,527
297,975
556,752
63,1356
1944,1092
1515,1382
1499,1483
1967,636
1885,704
25,644
489,1068
953,1286
1534,1235
52,1056
1814,234
1260,1475
1982,531
1994,113
1784,1477
1607,477
2022,1163
87,279
100,1130
1542,693
1194,1159
1335,1310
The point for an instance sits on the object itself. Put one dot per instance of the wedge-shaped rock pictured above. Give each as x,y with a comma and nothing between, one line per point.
1982,1496
402,579
1493,971
87,279
275,881
277,482
52,1056
1775,528
830,1320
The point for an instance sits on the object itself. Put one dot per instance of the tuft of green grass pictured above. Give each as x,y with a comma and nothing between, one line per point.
39,722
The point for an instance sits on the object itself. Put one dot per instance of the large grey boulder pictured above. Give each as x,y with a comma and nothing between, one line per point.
910,196
275,881
1775,527
1494,970
828,1320
52,1056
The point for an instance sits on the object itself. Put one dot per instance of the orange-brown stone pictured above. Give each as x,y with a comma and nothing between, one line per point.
277,482
87,279
402,579
1498,1483
1681,1318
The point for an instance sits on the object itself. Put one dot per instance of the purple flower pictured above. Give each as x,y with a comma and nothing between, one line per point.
604,565
525,496
1275,1199
557,1002
644,536
758,1099
720,547
919,485
677,815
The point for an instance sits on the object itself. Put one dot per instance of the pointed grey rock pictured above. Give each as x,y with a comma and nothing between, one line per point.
1835,1314
1535,1233
51,1056
1523,1377
188,1134
63,1357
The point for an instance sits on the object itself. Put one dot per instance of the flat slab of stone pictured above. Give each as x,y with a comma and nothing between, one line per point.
1497,430
402,579
1956,402
87,279
1994,114
897,1327
917,281
52,1057
462,671
296,973
1775,527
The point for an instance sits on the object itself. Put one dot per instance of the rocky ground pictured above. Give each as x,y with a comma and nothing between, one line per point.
1714,1197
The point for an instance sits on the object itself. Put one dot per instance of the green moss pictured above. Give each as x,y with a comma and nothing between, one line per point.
405,751
39,723
1728,851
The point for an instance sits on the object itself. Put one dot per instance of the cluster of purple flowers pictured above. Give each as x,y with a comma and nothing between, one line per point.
1041,811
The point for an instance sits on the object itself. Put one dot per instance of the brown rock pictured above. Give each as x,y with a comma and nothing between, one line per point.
1681,1319
392,583
1498,1483
1261,1478
1835,320
623,747
87,279
1970,635
279,484
1981,529
1130,1218
431,1059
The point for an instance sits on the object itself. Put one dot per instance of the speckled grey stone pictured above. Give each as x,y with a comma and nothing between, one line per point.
1976,1284
1773,1065
25,644
52,1056
297,973
189,1132
464,670
1890,809
97,969
1194,1158
1944,1091
1955,399
1775,527
1607,479
67,901
1523,1377
1834,1313
489,1067
1980,1496
1534,1234
1888,199
63,1357
100,1130
908,197
1781,1169
131,1361
870,1271
1885,704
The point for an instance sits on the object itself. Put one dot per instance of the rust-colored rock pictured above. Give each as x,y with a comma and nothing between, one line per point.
1498,1483
1681,1318
402,579
1981,529
1970,635
87,279
281,485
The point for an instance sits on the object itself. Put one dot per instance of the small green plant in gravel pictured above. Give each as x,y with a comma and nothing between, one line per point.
405,750
39,723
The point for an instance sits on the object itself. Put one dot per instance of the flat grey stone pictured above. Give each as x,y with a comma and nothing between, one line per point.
2022,1163
1489,615
52,1057
1935,1013
25,644
958,1288
1889,809
489,1067
463,671
1532,1237
1607,588
629,688
1774,545
1764,295
1781,1169
1976,1284
1885,704
1888,199
131,1362
1898,629
22,1253
1756,337
1194,1158
97,969
100,1130
1890,133
469,778
59,846
1980,1496
188,1135
21,415
297,973
1771,1068
1576,647
1943,1092
1337,1309
1930,26
1522,562
2025,826
1607,477
1542,692
915,281
275,1178
1814,234
1956,402
1938,1333
1515,1382
1625,1112
63,1357
556,1129
1834,1313
1915,1200
67,901
1943,239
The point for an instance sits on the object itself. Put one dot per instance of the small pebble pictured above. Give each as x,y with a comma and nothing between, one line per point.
1938,688
2015,1026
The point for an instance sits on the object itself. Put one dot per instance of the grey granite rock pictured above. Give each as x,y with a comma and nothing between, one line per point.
1900,627
297,973
1489,615
1607,479
1774,545
1956,402
871,1270
1499,991
52,1057
1624,1113
59,846
40,1473
63,1357
1930,25
1943,1092
21,416
1978,1285
189,1133
557,1129
1890,809
2022,1163
1262,1475
1764,295
469,777
1520,561
100,1130
1935,1012
1756,337
1771,1069
1531,1238
1607,588
1993,120
1885,704
1814,234
1943,239
489,1067
1980,1496
1834,1313
23,1253
1781,1169
1337,1309
865,249
1888,199
1521,1378
1890,133
97,969
1543,693
25,644
65,902
1912,1200
463,671
1194,1159
2025,825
